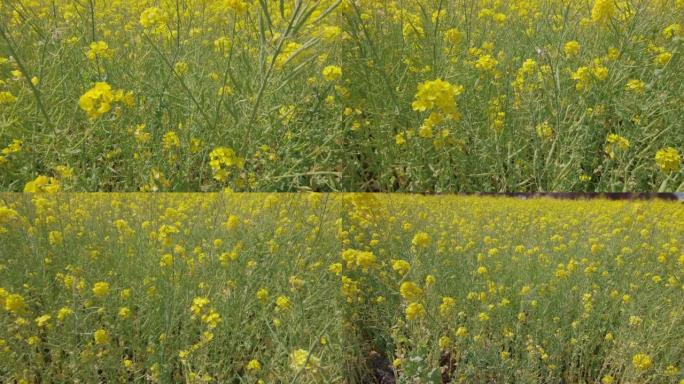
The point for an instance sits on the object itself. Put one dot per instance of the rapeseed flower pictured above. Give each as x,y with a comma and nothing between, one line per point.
101,337
642,361
668,160
437,94
603,11
410,291
101,289
332,73
421,239
222,160
572,48
301,359
253,366
415,311
42,184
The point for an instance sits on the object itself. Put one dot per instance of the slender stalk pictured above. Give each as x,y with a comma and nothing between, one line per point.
27,77
269,71
92,20
180,80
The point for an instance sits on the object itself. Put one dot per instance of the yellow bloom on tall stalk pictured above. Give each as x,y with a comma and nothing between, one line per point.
101,337
613,142
283,303
7,98
42,321
365,260
636,86
447,305
301,359
438,94
101,289
42,184
415,311
603,11
15,303
668,159
99,49
221,160
401,266
152,17
572,48
332,72
253,366
421,239
544,131
410,291
642,361
98,100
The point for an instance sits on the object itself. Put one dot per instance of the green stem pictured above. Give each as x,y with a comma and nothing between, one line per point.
27,76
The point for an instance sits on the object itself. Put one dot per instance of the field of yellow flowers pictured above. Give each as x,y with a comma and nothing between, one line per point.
353,95
340,288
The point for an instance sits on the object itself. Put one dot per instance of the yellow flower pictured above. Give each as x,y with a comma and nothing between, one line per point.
253,366
461,332
400,138
221,160
166,260
572,48
55,238
99,49
430,280
642,361
486,63
425,131
672,31
152,17
602,11
300,359
415,311
63,313
438,94
124,312
614,141
332,73
7,98
410,291
42,184
402,267
544,131
101,289
262,294
98,100
453,36
335,268
636,86
101,337
668,159
444,342
170,141
42,321
421,239
447,304
283,303
607,379
662,59
181,68
198,303
365,260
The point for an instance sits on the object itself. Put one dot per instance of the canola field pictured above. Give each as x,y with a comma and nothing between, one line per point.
339,288
351,95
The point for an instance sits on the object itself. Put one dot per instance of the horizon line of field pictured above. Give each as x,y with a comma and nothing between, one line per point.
668,196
